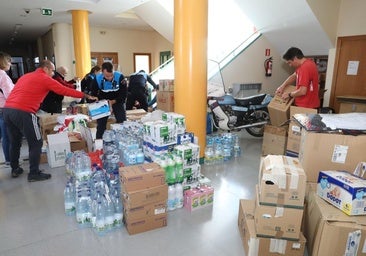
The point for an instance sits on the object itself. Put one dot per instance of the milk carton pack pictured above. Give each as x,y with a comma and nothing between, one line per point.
178,119
343,190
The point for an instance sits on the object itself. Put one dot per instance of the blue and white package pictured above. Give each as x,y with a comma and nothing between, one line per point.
344,190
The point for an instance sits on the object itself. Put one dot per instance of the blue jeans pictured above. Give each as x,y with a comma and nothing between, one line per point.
4,138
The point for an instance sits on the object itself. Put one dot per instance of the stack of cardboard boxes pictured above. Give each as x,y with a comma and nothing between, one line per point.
271,224
144,194
330,231
323,154
275,134
165,95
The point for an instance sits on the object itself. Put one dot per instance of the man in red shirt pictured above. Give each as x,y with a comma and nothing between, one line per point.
20,116
306,77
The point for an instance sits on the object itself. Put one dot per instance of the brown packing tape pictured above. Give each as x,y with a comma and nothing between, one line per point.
281,199
279,234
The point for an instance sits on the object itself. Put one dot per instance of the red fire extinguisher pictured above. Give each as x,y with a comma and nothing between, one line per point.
268,66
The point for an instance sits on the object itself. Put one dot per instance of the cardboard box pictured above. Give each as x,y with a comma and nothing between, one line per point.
279,109
141,176
141,197
274,140
146,224
77,144
57,149
48,119
135,114
165,101
329,231
166,85
147,210
282,181
327,151
83,109
43,159
99,109
260,246
345,191
277,221
294,130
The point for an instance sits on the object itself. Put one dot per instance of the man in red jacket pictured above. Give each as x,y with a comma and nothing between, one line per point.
20,116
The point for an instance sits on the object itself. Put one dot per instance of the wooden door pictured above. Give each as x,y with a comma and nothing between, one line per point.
97,58
350,51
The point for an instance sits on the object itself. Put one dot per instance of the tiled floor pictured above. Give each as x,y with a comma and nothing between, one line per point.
32,219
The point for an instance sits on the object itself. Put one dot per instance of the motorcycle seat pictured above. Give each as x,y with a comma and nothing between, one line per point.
250,100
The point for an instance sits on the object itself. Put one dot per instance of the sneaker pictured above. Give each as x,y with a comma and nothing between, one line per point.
16,172
39,176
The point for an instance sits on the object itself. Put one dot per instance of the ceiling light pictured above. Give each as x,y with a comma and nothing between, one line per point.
128,15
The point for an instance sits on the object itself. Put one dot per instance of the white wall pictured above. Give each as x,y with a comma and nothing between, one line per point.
350,23
127,42
124,42
249,67
352,18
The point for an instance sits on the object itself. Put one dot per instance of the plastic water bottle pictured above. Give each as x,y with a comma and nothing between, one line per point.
209,154
171,198
218,152
179,195
69,199
109,213
170,172
140,157
83,210
226,149
118,213
179,169
237,148
100,227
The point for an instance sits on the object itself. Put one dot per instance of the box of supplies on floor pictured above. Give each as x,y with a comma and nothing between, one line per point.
57,149
264,246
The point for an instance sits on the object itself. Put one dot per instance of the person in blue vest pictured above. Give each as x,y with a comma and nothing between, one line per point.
137,90
112,86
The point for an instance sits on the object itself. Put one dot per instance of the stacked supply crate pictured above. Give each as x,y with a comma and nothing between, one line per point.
275,216
275,134
144,194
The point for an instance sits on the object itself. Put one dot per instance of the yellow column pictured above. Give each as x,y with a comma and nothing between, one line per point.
80,27
190,60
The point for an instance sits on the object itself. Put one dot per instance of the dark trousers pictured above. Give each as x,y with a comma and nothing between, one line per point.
137,95
21,123
119,110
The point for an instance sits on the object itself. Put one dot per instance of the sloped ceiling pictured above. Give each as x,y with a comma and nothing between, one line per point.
287,23
308,24
284,23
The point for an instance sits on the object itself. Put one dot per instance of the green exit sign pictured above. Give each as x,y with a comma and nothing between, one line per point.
46,11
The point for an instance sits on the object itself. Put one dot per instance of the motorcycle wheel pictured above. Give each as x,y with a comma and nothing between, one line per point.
258,115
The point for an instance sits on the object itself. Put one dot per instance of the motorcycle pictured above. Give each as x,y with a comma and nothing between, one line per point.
233,114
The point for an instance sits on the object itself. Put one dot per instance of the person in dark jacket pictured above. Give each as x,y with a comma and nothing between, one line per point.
53,101
110,85
87,81
137,90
